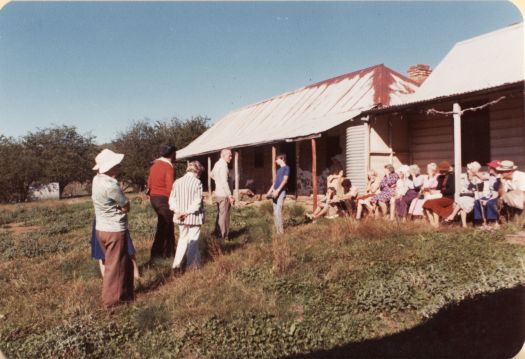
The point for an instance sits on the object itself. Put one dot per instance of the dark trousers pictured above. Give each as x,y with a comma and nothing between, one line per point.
164,242
117,284
491,210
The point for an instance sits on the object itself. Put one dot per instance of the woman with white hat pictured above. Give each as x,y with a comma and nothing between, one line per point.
471,187
111,208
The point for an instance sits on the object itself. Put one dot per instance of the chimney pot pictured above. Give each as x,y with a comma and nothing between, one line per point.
419,73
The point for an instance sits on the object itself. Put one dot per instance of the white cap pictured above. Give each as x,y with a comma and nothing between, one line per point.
106,160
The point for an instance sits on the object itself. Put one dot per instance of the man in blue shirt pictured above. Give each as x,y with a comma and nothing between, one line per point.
278,191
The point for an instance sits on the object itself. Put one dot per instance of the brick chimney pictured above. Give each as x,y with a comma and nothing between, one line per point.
419,73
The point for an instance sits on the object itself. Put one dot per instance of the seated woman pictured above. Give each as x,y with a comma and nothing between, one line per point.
387,188
441,207
485,208
416,177
372,188
427,190
470,187
404,195
326,208
345,201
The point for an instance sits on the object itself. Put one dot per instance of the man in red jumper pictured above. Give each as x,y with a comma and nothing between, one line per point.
160,181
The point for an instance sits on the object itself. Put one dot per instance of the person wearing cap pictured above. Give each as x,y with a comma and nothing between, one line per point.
441,207
223,194
160,181
111,209
188,207
513,185
485,208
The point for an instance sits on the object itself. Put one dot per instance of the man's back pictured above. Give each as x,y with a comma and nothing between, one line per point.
160,178
220,176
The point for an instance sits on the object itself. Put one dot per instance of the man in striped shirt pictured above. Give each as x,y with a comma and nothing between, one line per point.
186,201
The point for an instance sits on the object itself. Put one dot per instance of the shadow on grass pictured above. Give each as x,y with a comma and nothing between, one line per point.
237,233
488,326
162,276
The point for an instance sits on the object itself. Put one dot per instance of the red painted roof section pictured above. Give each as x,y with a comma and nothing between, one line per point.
308,110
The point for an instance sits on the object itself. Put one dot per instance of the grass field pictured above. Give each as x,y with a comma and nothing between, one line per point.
332,288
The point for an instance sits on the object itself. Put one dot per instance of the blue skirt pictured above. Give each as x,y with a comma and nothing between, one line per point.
96,250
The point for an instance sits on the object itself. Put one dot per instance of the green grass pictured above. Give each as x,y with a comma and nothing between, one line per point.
319,286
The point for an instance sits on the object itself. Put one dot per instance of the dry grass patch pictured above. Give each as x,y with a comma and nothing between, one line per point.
283,258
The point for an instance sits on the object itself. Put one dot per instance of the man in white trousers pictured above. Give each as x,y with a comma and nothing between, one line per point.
187,204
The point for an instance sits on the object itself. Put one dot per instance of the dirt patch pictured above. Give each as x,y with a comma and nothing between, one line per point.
19,228
516,238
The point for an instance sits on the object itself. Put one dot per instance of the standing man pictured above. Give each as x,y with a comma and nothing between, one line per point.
278,191
223,194
111,208
160,181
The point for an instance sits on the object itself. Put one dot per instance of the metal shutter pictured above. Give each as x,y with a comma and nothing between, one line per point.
356,155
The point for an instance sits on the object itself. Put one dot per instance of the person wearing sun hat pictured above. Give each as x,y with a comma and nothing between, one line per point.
513,184
111,208
442,207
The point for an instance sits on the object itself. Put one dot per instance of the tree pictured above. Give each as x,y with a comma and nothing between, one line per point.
63,154
19,170
141,143
137,144
181,133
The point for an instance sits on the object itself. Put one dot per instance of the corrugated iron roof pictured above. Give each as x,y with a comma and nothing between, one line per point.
306,111
482,62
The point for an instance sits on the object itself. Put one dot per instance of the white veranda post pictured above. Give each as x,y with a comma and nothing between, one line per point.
456,110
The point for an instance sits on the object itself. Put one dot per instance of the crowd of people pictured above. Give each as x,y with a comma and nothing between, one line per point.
404,193
177,202
484,196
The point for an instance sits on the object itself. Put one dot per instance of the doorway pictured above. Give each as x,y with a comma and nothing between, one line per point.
475,135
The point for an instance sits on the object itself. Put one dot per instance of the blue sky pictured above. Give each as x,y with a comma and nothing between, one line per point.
99,66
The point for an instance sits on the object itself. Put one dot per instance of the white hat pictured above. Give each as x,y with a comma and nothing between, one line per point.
106,160
474,166
506,166
403,169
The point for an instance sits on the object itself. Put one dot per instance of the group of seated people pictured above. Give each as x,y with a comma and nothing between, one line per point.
406,193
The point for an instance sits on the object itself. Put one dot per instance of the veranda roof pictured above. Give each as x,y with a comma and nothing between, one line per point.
306,111
482,62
